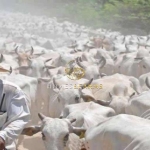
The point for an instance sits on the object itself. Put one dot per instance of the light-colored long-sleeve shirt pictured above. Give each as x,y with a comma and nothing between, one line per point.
18,113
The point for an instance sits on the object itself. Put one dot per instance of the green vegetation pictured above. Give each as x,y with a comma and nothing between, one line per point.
111,14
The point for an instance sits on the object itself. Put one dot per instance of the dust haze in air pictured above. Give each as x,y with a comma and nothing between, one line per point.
34,7
49,8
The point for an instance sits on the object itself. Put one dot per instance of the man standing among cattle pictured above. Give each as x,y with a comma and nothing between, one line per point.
13,102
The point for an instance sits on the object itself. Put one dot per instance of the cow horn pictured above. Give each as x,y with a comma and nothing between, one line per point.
87,84
147,82
47,60
29,58
136,85
75,50
103,75
72,120
102,62
48,67
110,95
32,50
115,58
80,64
103,102
55,84
41,116
132,94
80,59
10,69
71,69
126,47
138,45
16,50
78,131
1,59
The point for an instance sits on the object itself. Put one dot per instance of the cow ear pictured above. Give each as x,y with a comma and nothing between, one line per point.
41,116
30,131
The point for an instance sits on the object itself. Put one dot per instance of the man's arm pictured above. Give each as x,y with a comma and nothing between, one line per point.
18,116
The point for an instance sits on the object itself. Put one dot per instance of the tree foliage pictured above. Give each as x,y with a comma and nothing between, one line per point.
128,14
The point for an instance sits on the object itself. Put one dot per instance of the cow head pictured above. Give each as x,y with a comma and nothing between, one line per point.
24,58
55,132
98,41
79,46
119,98
92,70
32,67
102,42
72,95
144,65
62,96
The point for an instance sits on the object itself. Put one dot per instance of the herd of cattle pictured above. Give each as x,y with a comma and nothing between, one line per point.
34,53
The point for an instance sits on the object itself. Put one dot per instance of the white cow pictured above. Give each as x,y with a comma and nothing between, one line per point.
87,114
115,133
142,79
140,104
92,70
62,95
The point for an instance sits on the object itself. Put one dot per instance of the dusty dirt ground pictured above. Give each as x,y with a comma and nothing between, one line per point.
32,143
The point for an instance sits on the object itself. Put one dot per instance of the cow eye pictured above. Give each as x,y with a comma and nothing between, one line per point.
77,99
66,137
144,66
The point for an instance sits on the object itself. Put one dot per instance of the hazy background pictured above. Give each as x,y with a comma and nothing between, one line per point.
127,16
